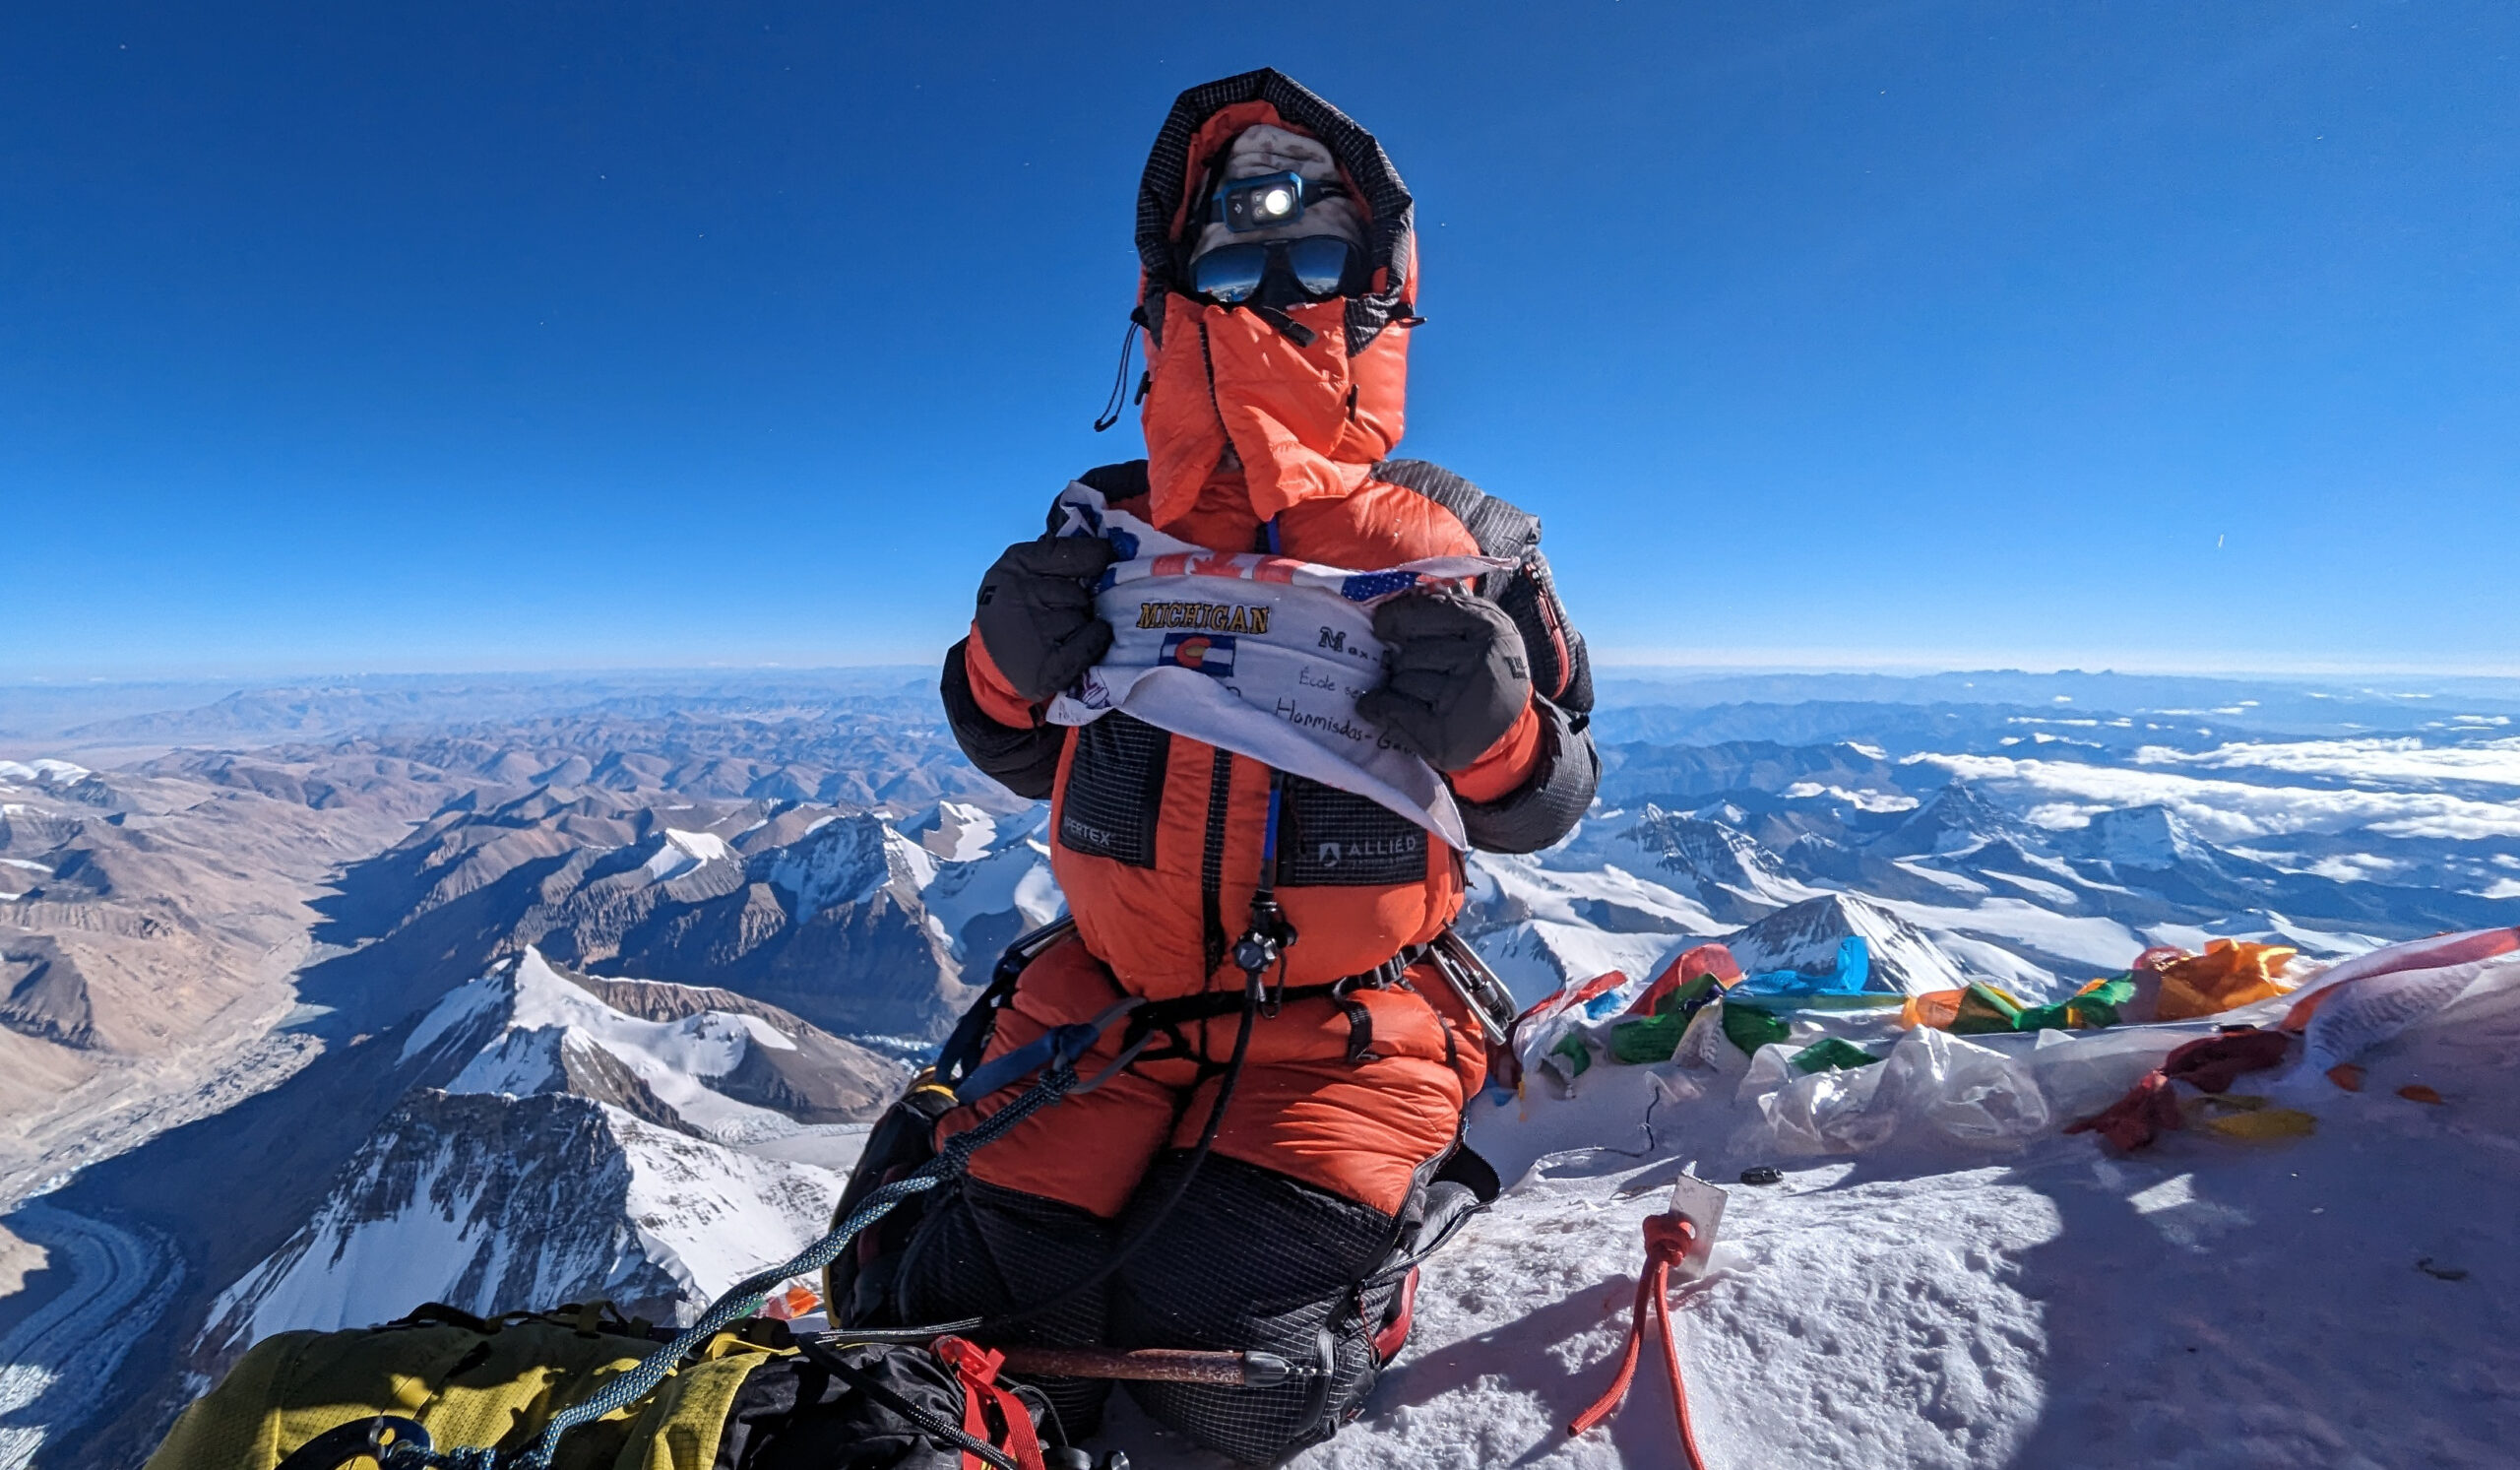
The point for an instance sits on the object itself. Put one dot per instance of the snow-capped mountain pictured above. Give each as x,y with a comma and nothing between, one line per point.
570,1137
536,1135
1808,936
707,1063
859,922
1954,819
1719,865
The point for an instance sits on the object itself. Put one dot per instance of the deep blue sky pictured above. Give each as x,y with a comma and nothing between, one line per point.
504,336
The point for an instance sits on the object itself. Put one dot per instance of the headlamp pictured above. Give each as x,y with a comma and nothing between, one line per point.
1272,199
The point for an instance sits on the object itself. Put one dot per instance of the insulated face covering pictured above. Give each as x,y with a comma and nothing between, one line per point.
1304,398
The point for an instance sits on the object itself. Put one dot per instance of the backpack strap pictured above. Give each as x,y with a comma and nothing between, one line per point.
977,1367
1561,669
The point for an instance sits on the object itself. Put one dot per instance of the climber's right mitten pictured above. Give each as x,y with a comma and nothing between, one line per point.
1035,613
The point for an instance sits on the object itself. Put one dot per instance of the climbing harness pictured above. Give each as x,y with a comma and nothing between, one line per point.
1480,991
1684,1236
1262,948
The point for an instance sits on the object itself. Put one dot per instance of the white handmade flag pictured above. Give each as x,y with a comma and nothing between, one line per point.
1261,655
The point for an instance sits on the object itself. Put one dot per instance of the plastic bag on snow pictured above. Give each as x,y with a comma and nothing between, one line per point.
1965,1092
2081,1073
1934,1088
1834,1112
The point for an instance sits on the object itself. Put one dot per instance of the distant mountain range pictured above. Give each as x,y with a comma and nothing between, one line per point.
598,1000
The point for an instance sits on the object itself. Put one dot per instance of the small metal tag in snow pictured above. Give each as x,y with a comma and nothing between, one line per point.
1701,1204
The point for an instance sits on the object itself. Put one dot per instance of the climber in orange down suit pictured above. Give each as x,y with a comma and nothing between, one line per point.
1272,402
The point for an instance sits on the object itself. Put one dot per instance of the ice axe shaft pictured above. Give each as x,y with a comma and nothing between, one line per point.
1154,1365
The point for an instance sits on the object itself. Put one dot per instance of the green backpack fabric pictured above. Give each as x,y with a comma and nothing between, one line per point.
470,1382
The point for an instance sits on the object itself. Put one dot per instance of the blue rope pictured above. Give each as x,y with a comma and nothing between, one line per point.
745,1297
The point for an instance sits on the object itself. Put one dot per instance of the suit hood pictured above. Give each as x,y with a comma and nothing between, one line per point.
1295,404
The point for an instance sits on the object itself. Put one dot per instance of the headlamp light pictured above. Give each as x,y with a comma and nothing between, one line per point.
1273,199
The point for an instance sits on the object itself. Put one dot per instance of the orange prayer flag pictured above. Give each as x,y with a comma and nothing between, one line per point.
2228,973
1935,1008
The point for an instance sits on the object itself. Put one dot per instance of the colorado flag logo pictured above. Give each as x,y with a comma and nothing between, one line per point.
1211,653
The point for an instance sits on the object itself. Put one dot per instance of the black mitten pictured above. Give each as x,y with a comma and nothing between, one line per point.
1035,613
1459,678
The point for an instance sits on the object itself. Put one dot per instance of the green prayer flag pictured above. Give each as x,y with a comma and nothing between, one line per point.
1832,1054
1983,1008
1749,1028
1646,1039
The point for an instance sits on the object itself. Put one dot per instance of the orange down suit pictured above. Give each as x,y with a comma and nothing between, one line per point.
1157,838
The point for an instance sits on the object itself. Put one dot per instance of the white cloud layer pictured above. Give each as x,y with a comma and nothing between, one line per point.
2407,763
2065,794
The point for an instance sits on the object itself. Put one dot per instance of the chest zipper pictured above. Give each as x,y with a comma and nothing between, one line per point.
1212,861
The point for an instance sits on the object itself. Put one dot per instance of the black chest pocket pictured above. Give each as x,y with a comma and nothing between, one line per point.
1335,839
1114,791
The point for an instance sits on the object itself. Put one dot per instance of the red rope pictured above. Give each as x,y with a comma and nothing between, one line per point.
1666,1239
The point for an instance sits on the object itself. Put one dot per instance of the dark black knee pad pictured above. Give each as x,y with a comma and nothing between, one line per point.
984,1249
1253,1260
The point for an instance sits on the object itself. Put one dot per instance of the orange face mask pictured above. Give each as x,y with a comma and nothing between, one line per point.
1303,419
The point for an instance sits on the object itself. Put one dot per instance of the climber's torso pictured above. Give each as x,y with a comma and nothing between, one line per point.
1156,837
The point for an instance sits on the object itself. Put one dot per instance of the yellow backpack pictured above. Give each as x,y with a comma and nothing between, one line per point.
470,1382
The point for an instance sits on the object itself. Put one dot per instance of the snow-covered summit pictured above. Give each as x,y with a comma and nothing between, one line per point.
1807,936
846,860
960,832
45,769
1973,1300
703,1061
2150,838
1955,820
679,851
1713,862
567,1136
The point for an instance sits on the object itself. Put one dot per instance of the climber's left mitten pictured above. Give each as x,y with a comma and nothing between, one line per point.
1459,678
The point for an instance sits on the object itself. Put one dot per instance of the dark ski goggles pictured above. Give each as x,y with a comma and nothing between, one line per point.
1314,268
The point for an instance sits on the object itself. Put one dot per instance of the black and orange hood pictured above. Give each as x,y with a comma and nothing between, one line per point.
1306,400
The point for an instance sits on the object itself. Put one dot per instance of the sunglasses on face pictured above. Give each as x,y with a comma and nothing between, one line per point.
1314,268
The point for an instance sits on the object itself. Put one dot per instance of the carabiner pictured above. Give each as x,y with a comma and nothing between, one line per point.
361,1438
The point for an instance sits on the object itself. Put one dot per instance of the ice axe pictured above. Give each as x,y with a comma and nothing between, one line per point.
1226,1369
1159,1366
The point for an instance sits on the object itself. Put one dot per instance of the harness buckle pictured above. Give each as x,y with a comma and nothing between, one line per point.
1261,949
